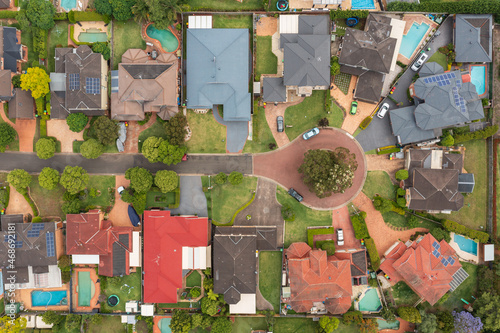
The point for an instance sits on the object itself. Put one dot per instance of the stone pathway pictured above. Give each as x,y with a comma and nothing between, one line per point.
267,26
133,132
382,162
25,131
273,111
59,129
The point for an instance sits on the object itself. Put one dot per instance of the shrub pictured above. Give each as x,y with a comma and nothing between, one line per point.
61,16
372,252
45,148
402,174
221,178
235,178
352,317
413,221
479,236
334,66
410,314
462,7
7,14
7,135
360,228
328,246
401,192
195,292
397,209
287,213
343,14
401,202
317,231
364,124
382,205
77,122
482,134
448,141
440,234
73,17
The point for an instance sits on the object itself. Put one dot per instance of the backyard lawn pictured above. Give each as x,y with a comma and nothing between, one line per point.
58,36
101,184
404,295
440,58
208,136
296,325
27,39
224,5
232,22
193,280
227,198
378,182
159,199
473,213
270,277
296,231
108,324
266,62
249,324
48,202
261,133
128,289
307,114
126,35
156,129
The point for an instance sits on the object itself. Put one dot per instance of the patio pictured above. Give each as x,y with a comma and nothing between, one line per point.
462,255
23,296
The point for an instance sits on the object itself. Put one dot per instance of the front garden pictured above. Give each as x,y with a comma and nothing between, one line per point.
208,136
270,263
262,138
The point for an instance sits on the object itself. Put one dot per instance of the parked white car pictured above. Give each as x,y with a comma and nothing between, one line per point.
383,110
419,62
340,237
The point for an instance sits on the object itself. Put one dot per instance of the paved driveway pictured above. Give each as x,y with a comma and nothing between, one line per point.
341,220
236,133
377,134
193,200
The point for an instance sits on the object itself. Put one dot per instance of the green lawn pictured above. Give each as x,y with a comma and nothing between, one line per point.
48,202
208,136
108,324
156,129
102,184
440,58
473,213
266,62
58,37
107,149
296,231
394,219
158,199
378,182
227,198
126,35
307,114
247,324
270,277
232,22
27,39
296,325
125,293
261,133
403,294
193,279
224,5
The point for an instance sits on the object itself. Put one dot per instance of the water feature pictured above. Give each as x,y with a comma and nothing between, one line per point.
412,39
466,244
68,4
167,39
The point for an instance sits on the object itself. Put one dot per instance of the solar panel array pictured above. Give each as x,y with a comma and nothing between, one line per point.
74,81
441,79
49,237
6,237
93,85
459,100
35,230
445,261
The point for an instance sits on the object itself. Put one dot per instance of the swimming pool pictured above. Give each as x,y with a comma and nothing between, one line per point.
385,325
466,244
164,325
92,35
167,39
370,301
412,39
478,78
45,298
68,4
363,4
85,285
1,284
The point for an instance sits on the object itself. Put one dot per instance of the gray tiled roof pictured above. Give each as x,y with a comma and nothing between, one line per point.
274,89
10,48
404,126
119,255
473,38
369,86
217,71
430,68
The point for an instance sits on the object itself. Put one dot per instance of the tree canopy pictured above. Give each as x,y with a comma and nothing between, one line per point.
48,178
7,135
77,121
157,149
221,325
20,179
52,317
36,79
106,130
328,324
91,149
16,80
8,325
175,129
150,148
428,324
45,148
181,322
220,178
74,179
410,314
41,14
119,9
102,48
140,179
445,321
161,12
326,172
465,322
235,178
486,308
71,207
209,306
166,180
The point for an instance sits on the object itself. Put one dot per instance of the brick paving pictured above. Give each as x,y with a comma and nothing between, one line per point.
273,111
340,219
267,26
59,129
133,132
25,131
119,214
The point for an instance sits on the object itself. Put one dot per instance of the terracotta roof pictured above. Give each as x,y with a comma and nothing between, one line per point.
358,262
314,277
164,237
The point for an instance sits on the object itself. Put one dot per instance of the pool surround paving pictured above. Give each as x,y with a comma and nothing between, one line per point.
156,42
94,304
485,93
418,19
462,255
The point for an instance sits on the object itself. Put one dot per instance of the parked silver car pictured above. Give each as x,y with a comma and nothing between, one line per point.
309,134
340,237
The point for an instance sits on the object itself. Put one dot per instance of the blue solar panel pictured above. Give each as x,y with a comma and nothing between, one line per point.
6,237
440,84
426,80
433,79
38,226
452,74
443,260
452,261
436,245
93,85
447,82
446,264
74,81
19,244
436,253
33,233
49,237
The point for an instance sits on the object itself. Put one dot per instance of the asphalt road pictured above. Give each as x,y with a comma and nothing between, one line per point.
111,164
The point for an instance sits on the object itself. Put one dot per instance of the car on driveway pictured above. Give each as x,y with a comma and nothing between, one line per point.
295,194
354,108
420,61
383,110
340,237
309,134
279,123
121,189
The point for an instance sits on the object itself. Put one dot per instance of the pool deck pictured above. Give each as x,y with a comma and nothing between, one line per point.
94,304
87,25
462,255
356,290
156,42
419,19
24,297
156,322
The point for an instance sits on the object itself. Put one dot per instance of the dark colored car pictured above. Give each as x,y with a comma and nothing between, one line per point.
279,122
295,194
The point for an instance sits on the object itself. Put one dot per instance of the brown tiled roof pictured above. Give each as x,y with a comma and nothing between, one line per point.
358,262
22,105
5,4
5,84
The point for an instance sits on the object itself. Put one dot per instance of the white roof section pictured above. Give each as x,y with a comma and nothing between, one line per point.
209,256
85,259
194,257
52,279
124,319
41,324
489,252
289,24
132,306
246,305
200,22
30,321
147,310
135,256
398,28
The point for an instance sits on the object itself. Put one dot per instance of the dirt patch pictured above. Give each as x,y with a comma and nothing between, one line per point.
59,129
267,26
17,203
382,162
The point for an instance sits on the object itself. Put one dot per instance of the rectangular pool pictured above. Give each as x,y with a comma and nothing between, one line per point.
363,4
412,39
46,298
478,78
92,37
84,288
466,244
370,301
385,325
68,4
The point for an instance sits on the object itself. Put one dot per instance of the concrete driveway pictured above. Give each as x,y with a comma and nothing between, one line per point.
193,200
377,134
236,133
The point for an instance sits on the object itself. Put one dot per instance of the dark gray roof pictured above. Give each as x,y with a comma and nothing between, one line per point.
422,158
5,4
430,68
466,182
352,70
119,255
21,105
5,220
405,128
440,106
274,89
22,276
11,49
5,85
217,71
369,86
473,38
358,263
146,71
314,25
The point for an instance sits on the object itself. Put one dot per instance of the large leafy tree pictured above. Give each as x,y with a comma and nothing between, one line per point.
48,178
122,9
368,325
176,129
140,179
410,314
171,154
161,12
326,172
41,14
36,79
71,207
445,321
103,7
7,135
51,317
150,148
166,180
328,324
73,321
486,308
428,324
91,149
235,178
74,179
102,48
106,130
181,322
20,179
45,148
77,121
221,325
209,306
8,325
465,322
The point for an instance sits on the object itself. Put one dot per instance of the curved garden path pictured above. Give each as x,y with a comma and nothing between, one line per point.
273,111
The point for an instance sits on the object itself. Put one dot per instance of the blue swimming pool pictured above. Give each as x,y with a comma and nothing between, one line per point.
385,325
167,39
412,39
370,301
1,284
44,298
478,78
466,244
164,325
68,4
363,4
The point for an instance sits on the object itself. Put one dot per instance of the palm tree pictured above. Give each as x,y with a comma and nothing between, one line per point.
141,10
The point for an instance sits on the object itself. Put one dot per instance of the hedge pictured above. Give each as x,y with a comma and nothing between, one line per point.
5,195
40,105
43,128
397,209
31,203
71,35
352,317
455,227
74,17
482,134
7,14
461,7
241,208
371,248
360,228
177,200
319,231
387,151
344,14
61,16
364,124
40,42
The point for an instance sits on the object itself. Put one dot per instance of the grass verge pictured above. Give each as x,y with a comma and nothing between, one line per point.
227,198
261,133
270,277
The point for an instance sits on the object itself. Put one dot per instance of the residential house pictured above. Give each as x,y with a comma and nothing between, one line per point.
442,99
235,264
6,4
217,71
473,38
35,261
371,54
91,240
12,52
142,85
436,180
79,83
429,267
22,105
173,245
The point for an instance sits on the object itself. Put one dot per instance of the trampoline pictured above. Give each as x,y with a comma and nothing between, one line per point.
113,300
282,5
352,21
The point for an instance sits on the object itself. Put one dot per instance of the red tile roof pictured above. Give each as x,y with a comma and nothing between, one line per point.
164,237
420,269
314,277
